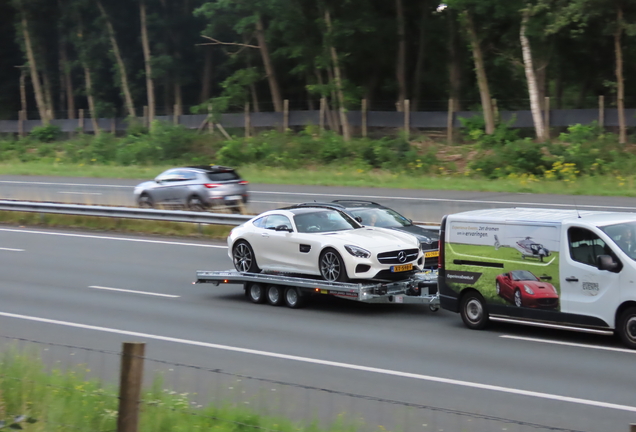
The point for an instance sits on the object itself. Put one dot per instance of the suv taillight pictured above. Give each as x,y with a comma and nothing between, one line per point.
211,185
243,182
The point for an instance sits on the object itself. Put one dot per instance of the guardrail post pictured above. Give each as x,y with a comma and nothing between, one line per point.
132,364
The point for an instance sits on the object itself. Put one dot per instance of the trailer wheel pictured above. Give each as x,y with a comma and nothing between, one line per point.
473,311
627,327
294,299
275,295
256,293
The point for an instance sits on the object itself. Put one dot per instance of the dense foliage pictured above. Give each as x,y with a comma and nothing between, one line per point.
90,53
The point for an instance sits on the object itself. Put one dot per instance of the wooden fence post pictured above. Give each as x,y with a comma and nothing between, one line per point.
113,126
495,110
450,120
210,122
601,111
364,117
145,121
131,375
81,120
175,114
285,115
407,118
247,120
321,120
21,119
546,116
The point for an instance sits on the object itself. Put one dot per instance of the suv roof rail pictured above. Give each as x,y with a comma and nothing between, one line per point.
355,201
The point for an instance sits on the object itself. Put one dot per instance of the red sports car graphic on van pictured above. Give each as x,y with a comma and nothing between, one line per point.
526,290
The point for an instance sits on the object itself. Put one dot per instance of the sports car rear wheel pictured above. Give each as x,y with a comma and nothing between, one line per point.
332,267
243,258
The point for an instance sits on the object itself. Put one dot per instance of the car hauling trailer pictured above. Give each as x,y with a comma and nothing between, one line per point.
295,291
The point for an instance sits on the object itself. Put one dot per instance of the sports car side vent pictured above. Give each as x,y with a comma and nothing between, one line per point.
305,248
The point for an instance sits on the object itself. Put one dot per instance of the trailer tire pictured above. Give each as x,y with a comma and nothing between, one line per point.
275,295
294,299
627,327
474,311
256,293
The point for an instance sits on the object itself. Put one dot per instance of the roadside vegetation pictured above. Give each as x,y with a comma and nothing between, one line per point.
583,160
37,398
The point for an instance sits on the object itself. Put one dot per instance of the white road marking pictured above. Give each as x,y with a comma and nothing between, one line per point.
64,184
80,193
597,347
451,200
509,390
11,250
133,291
113,238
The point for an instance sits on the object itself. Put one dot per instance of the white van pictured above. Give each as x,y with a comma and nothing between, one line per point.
543,267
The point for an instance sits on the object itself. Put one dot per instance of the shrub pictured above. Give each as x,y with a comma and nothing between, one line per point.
48,133
475,130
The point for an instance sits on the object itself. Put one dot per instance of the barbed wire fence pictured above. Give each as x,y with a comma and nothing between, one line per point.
152,390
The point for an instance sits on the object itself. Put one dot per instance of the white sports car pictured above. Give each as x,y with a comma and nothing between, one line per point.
318,239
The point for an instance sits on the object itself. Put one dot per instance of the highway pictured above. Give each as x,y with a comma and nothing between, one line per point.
419,205
97,290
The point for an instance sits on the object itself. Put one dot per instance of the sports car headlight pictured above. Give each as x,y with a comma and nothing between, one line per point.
527,289
357,251
555,290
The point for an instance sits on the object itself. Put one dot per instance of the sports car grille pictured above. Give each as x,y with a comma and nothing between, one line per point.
548,302
393,256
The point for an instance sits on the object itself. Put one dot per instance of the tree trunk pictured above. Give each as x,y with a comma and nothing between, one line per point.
330,121
400,67
482,80
35,78
123,76
91,99
620,81
48,95
206,75
419,62
455,67
338,78
535,103
65,69
277,99
150,86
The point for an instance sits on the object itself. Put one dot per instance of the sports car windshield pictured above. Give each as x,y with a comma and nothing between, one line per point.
381,217
323,221
523,275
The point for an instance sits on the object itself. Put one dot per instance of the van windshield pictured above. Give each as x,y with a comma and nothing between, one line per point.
623,236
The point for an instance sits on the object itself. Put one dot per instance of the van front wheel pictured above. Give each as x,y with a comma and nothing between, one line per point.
627,327
473,311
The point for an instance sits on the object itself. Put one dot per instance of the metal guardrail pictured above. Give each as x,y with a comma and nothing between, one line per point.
125,212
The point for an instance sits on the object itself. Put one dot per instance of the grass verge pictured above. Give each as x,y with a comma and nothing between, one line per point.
601,185
183,229
35,399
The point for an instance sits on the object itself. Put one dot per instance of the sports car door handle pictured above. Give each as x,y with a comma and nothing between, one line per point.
264,235
571,279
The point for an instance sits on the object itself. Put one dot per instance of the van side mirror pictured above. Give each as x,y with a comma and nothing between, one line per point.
606,262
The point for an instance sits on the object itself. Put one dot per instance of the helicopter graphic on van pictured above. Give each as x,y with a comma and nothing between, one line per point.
531,249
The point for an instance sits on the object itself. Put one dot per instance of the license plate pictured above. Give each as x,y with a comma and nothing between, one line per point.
233,198
401,268
432,254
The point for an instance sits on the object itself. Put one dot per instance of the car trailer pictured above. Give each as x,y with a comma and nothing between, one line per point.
294,291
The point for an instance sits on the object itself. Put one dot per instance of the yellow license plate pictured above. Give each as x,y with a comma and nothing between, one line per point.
401,268
431,254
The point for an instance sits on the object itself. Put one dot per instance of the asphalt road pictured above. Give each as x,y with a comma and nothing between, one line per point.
420,205
99,290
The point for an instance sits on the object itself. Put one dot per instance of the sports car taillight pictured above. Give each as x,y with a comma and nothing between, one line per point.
211,185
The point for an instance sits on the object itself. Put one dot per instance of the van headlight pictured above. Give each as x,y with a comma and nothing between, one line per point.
357,251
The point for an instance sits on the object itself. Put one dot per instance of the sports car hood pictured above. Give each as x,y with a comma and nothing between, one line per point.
541,289
375,239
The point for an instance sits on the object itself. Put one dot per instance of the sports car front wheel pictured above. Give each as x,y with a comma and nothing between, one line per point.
243,257
332,267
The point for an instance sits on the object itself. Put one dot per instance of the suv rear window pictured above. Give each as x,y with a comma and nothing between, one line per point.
223,176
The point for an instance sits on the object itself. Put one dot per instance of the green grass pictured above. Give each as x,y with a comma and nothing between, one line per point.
216,232
55,400
347,176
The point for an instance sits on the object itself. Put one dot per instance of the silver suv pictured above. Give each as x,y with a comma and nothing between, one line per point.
195,188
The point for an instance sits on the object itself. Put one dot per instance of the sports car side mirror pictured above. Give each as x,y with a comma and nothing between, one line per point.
358,219
283,228
545,277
